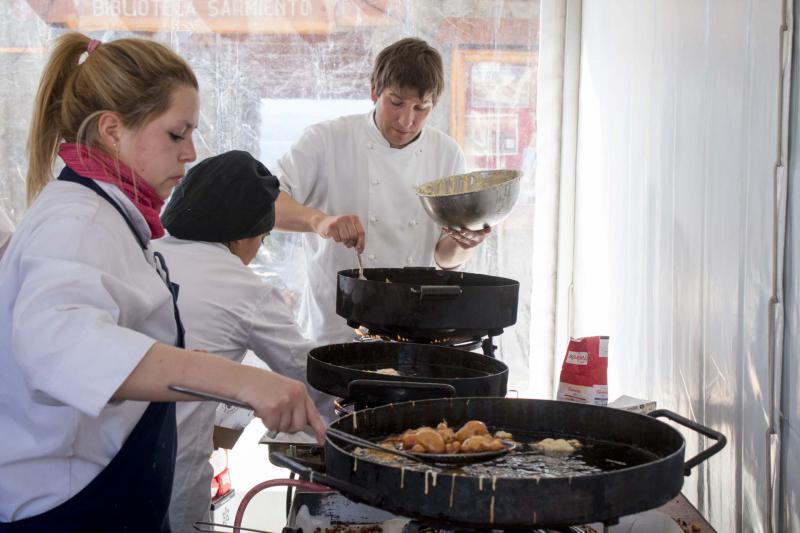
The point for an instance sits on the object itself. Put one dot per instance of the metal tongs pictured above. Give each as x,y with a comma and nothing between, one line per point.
215,526
208,396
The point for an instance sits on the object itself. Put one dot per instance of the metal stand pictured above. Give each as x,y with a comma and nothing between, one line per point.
488,347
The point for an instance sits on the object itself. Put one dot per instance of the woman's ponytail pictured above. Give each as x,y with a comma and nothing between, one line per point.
45,131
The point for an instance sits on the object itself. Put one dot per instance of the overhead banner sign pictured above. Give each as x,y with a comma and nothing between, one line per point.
222,16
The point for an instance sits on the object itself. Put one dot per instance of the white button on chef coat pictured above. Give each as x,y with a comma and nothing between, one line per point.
328,169
80,305
226,309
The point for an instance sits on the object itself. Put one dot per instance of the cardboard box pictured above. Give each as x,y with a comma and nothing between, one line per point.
223,509
226,437
635,405
229,423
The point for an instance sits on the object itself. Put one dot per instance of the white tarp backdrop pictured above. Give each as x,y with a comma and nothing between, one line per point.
679,232
790,404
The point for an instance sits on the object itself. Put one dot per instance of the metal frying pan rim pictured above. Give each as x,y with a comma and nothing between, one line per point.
660,456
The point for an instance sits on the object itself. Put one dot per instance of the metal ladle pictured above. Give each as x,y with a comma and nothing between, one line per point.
452,459
360,267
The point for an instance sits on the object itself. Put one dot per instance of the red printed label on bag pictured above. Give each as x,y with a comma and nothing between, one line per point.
584,374
578,358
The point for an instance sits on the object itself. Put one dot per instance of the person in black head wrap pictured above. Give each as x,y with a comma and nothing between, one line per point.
220,212
227,198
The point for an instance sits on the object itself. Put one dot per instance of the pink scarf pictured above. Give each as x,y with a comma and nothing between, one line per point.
98,165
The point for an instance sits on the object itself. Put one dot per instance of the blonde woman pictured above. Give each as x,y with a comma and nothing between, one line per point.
88,325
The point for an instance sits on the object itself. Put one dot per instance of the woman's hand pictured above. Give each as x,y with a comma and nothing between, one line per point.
280,402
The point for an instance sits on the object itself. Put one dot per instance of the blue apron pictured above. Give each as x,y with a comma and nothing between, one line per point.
132,492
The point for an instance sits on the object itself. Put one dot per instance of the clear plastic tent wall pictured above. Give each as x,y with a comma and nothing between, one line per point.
268,68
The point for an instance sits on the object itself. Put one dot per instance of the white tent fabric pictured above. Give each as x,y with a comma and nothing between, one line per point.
790,404
554,138
679,231
552,311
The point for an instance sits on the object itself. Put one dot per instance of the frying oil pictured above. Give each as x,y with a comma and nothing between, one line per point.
526,461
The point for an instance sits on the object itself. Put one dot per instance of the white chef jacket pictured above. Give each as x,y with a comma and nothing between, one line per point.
6,230
226,309
346,166
80,305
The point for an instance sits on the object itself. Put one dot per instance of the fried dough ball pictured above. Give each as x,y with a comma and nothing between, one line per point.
470,429
430,440
446,432
495,445
557,445
473,437
481,443
409,437
453,447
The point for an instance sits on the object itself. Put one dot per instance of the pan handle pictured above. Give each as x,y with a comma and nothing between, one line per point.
703,430
352,491
440,292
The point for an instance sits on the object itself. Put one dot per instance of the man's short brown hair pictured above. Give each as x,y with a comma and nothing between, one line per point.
409,63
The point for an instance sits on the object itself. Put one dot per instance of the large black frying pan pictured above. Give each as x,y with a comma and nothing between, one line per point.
341,369
514,499
425,304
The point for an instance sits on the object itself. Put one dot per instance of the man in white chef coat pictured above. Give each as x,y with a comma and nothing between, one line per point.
217,218
353,180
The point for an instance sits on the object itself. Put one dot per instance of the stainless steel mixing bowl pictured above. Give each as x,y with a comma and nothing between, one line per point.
474,200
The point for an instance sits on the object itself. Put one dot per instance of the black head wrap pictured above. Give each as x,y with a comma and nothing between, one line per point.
223,198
